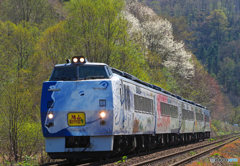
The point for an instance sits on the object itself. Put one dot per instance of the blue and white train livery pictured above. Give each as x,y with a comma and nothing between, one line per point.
90,109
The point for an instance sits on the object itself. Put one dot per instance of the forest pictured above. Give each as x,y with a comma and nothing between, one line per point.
212,34
187,50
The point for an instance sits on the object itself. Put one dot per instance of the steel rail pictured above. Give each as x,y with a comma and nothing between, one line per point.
200,154
177,153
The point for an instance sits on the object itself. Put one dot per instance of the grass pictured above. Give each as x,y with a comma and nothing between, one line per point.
216,154
219,144
212,139
192,153
124,158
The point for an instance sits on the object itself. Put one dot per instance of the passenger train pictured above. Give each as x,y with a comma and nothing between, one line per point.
93,110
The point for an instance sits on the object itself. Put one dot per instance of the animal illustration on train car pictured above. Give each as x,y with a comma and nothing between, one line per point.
93,110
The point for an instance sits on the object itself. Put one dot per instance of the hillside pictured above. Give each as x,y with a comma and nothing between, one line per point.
214,28
183,73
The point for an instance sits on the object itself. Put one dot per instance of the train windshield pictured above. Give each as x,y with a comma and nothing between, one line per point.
72,73
92,72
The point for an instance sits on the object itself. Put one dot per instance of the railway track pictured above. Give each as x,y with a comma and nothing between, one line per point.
191,158
150,161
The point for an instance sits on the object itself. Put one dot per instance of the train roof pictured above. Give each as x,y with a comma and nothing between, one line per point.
133,78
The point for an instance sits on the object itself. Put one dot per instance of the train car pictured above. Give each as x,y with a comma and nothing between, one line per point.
93,110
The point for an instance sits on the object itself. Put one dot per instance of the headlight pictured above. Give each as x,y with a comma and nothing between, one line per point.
75,60
102,114
82,59
50,115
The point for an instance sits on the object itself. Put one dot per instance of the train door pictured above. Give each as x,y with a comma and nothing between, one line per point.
126,105
179,115
204,119
122,107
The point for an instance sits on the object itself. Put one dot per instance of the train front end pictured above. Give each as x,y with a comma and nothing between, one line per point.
76,110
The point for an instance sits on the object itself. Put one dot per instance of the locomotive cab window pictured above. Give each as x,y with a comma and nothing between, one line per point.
69,73
64,73
92,72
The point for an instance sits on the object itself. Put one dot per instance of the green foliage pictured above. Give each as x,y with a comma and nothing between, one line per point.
28,161
216,123
213,128
216,154
124,158
181,30
34,11
97,29
199,163
212,139
192,153
171,82
19,124
217,22
98,36
219,127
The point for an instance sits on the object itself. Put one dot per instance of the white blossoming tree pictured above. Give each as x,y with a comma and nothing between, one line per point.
156,36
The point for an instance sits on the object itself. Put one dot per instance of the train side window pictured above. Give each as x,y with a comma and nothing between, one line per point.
170,110
163,108
191,115
199,117
143,104
186,115
174,111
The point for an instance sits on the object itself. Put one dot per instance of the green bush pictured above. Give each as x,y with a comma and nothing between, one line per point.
216,124
214,128
28,161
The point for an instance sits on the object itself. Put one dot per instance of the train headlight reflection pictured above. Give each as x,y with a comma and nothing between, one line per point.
50,115
103,114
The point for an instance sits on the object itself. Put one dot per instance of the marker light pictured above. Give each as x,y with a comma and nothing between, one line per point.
50,115
102,114
82,59
75,60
